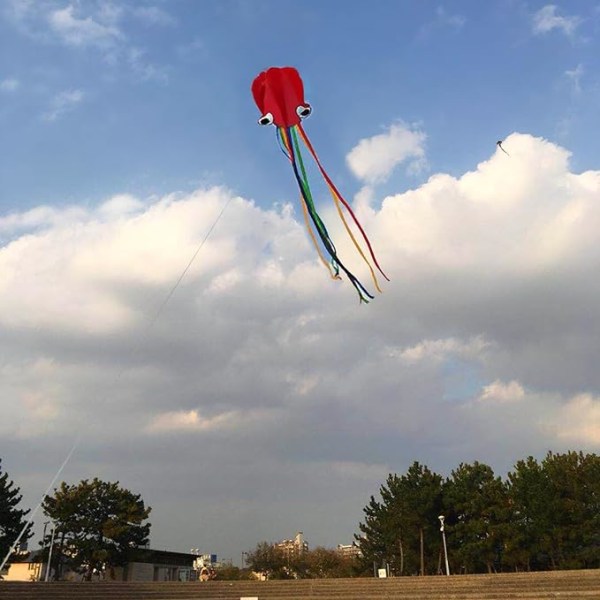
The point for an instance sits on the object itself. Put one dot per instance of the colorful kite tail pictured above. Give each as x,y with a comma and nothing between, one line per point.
338,197
290,142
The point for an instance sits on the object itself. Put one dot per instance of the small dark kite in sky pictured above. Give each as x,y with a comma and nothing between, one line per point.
499,144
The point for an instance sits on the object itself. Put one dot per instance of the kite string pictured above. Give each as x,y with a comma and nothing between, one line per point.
30,520
136,350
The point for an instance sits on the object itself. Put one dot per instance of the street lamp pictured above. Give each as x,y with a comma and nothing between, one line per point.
50,552
441,518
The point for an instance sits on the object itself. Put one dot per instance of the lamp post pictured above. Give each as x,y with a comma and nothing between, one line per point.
441,518
50,552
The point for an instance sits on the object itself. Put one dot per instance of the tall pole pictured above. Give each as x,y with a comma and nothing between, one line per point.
441,518
50,553
44,541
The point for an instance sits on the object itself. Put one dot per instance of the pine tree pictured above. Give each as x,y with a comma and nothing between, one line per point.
402,529
477,506
12,519
98,524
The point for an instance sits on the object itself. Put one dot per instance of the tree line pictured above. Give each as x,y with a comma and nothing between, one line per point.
543,515
95,525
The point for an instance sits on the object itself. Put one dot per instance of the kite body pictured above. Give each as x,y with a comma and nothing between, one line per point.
279,95
499,144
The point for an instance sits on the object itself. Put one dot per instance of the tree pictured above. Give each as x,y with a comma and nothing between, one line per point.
229,572
323,563
530,496
477,515
12,519
402,529
574,485
269,560
97,524
556,512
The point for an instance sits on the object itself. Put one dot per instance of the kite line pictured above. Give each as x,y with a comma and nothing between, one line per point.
134,353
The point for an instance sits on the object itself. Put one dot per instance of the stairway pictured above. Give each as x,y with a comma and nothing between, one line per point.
564,585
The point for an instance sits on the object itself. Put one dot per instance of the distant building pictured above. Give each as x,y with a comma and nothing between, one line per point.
143,564
26,566
293,547
204,560
349,550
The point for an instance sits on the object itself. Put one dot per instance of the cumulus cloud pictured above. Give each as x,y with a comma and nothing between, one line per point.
261,374
373,159
578,421
501,392
547,19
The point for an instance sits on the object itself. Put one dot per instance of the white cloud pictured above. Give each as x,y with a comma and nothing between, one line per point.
500,392
100,26
63,103
439,350
578,421
192,421
86,31
261,373
442,20
9,85
373,159
144,69
574,76
153,15
450,20
546,20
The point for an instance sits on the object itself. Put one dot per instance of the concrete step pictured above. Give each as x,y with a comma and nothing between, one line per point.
565,585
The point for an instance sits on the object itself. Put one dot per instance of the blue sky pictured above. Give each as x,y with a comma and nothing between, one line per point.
264,400
156,97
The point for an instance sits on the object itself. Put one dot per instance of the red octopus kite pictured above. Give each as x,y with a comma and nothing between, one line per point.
279,95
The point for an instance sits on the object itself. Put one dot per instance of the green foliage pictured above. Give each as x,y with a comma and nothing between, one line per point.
322,563
12,518
557,511
230,573
476,504
401,529
543,516
269,560
97,524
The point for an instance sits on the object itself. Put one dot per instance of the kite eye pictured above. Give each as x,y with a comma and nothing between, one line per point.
304,111
266,119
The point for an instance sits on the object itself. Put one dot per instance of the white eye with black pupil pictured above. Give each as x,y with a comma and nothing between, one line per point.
266,119
303,111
